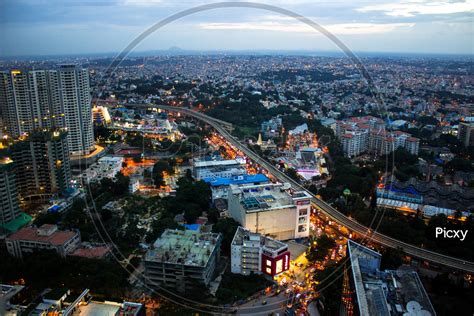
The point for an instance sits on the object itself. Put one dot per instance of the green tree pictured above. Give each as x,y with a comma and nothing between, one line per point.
227,227
164,166
329,284
320,248
197,192
117,187
291,172
158,180
391,259
160,225
234,287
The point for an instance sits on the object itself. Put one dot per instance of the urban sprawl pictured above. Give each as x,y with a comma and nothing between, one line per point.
248,184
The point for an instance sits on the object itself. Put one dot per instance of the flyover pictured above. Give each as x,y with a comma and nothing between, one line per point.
324,207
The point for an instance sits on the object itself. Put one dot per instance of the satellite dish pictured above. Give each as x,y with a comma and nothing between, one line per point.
415,309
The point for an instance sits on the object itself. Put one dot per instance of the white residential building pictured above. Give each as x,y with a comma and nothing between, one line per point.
76,100
46,237
218,168
255,253
271,209
359,135
9,202
105,167
58,98
354,143
466,131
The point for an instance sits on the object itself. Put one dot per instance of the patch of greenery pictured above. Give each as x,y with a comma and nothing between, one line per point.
46,269
227,227
319,248
235,287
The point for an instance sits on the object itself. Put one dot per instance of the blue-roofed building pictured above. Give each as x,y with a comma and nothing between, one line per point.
220,186
407,195
54,209
193,227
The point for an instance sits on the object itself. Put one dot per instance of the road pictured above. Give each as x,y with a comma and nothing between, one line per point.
324,207
275,304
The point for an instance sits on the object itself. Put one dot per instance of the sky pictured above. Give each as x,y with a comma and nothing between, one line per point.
56,27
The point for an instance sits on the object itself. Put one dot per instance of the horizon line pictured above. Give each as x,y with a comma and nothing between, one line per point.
177,51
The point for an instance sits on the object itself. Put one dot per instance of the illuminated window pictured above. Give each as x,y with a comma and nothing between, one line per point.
269,263
279,266
269,270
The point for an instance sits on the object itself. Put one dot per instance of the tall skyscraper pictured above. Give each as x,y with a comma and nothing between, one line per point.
42,163
44,99
14,102
466,131
76,101
9,206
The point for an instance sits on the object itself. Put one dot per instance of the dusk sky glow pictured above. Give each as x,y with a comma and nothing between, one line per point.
35,27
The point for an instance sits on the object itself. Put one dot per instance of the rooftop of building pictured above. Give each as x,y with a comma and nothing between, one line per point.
188,247
97,152
56,294
63,301
8,291
366,118
451,196
242,235
385,292
17,223
300,129
398,122
45,234
239,179
262,197
109,308
96,252
468,119
110,159
216,163
328,121
98,309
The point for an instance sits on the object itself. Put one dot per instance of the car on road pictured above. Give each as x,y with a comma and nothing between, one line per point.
276,292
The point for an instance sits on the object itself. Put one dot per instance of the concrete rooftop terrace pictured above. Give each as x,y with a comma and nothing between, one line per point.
255,198
389,292
45,234
218,163
243,234
189,248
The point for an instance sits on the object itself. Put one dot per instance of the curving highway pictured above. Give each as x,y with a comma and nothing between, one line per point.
324,207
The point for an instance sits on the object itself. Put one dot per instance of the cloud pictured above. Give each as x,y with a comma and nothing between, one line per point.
141,2
29,27
420,7
337,29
